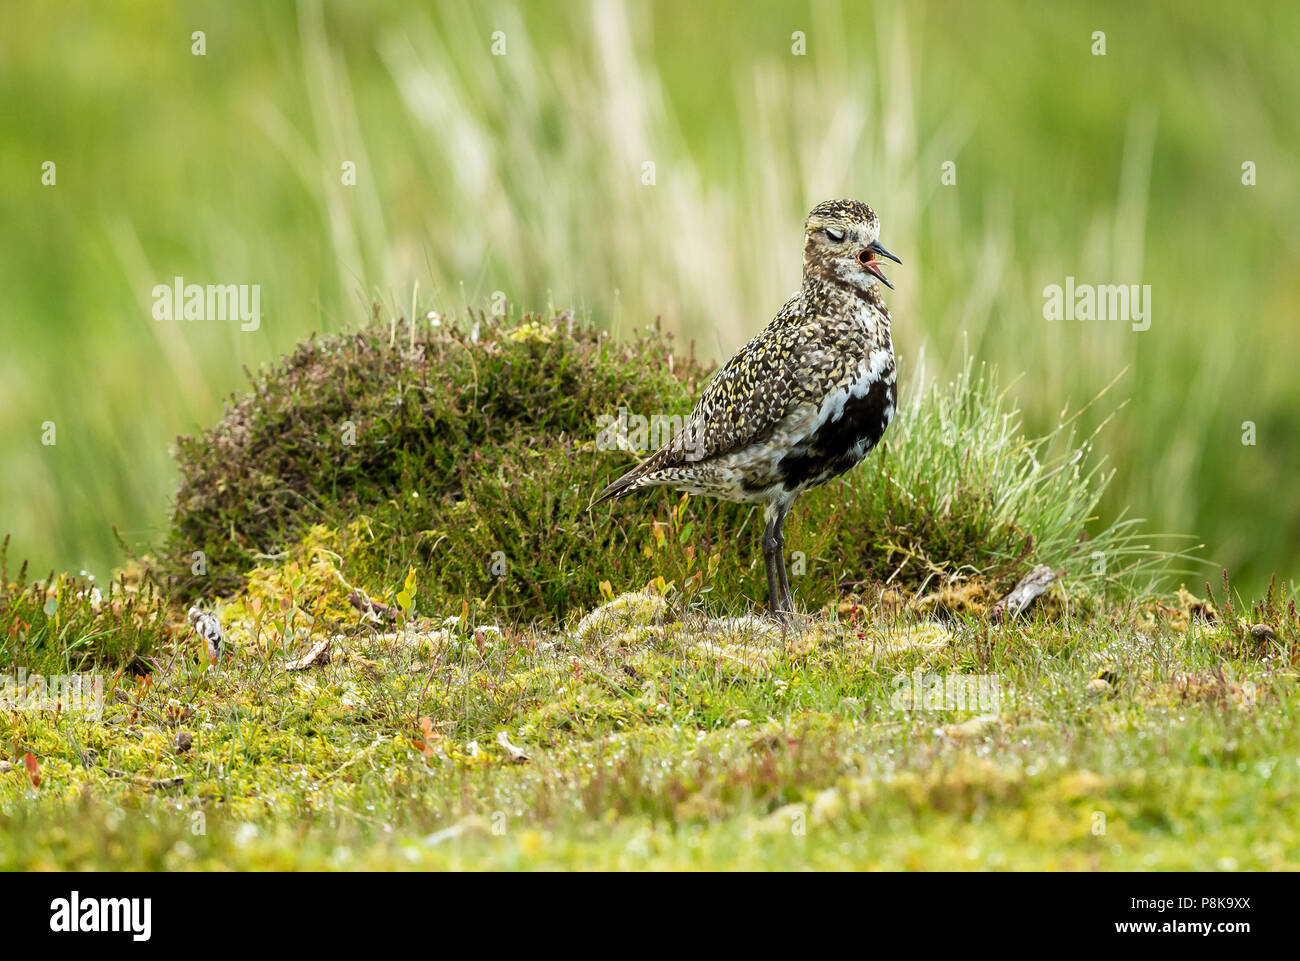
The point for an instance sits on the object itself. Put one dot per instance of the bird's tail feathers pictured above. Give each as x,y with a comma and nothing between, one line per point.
634,479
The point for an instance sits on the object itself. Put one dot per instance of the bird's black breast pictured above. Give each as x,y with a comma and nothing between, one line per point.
839,443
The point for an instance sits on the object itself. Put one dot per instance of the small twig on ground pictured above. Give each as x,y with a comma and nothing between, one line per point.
1025,593
367,605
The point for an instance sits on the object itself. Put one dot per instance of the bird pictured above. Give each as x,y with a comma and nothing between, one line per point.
208,627
803,402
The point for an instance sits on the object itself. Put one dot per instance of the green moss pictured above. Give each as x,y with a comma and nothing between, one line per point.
666,740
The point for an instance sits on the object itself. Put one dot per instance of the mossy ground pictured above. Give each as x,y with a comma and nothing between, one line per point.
471,717
662,737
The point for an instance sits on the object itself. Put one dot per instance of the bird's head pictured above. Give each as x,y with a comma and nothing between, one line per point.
841,243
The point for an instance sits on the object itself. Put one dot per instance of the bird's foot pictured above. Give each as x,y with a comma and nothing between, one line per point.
789,620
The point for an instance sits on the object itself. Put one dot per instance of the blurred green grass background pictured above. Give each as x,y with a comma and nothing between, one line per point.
523,174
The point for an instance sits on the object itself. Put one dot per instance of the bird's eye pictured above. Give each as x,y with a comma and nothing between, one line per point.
834,235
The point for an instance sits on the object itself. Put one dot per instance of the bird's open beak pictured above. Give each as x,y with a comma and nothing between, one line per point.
868,259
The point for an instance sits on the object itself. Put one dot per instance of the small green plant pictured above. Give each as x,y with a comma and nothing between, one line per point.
64,624
674,549
406,596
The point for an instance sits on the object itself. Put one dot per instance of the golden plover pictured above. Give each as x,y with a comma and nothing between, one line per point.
801,403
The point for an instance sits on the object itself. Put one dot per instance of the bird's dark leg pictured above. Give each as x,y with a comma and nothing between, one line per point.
787,599
778,585
773,562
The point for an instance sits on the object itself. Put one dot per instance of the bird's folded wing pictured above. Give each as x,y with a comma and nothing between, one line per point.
749,398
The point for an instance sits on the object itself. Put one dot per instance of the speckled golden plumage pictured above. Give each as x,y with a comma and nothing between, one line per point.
802,402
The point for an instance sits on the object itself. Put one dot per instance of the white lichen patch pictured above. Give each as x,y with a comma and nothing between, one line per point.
752,644
639,636
754,657
750,626
926,637
627,611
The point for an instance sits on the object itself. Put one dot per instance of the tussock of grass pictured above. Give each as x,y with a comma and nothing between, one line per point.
468,452
964,490
472,443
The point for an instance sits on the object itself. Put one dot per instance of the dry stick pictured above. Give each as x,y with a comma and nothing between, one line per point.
1025,593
